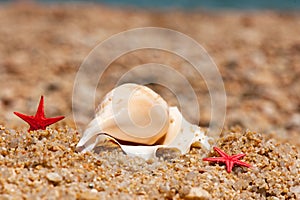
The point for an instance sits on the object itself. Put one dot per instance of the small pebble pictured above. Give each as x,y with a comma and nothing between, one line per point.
54,177
197,193
89,195
168,153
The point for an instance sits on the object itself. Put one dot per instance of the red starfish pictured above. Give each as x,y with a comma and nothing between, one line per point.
39,121
230,161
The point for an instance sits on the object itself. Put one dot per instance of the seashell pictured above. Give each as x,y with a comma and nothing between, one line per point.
141,118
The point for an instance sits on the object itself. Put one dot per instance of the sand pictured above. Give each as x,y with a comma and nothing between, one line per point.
44,164
41,49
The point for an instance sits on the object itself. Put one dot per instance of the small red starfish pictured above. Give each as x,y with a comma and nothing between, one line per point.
39,121
230,161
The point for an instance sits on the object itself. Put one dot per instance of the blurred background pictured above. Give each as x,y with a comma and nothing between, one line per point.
189,4
255,44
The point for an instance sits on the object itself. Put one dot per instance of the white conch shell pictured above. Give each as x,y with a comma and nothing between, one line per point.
135,113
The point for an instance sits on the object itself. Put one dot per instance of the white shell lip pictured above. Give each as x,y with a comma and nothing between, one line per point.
176,132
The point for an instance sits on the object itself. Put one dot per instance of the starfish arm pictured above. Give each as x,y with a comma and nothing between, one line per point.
49,121
40,113
222,153
29,119
215,159
238,156
238,162
229,165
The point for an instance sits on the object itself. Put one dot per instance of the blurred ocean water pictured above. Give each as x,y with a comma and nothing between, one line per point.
191,4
